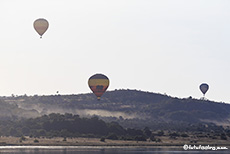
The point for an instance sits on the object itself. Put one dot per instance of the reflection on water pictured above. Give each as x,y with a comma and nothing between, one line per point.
97,150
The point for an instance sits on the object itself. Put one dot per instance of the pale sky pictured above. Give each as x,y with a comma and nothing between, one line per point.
161,46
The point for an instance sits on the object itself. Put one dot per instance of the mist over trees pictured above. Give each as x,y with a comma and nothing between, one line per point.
68,125
130,108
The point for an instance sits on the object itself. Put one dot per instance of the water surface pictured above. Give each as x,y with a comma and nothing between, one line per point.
99,150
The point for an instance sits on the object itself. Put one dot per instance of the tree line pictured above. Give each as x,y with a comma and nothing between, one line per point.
69,125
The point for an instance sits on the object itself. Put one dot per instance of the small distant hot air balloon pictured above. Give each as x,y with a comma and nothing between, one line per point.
98,83
204,88
41,25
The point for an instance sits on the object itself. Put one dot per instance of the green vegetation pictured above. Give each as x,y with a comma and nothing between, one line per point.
68,125
36,141
102,139
145,108
143,116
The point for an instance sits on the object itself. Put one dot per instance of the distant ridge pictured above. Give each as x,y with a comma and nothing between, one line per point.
126,105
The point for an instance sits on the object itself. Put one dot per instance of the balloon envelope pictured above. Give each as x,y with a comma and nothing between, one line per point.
41,25
204,88
98,83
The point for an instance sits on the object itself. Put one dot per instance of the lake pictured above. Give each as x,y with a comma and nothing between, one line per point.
98,150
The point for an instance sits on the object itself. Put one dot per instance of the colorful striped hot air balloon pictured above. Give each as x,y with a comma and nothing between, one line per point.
98,83
41,25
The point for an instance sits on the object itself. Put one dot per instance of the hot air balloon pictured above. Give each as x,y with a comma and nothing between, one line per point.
204,88
41,25
98,83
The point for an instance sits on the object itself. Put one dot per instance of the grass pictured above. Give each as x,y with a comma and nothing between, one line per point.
60,141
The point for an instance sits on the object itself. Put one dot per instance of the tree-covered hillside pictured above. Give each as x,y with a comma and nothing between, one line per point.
131,108
11,110
68,125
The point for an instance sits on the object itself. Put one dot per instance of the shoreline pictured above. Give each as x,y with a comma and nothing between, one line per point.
95,142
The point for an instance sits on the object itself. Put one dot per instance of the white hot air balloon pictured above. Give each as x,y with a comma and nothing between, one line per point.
41,25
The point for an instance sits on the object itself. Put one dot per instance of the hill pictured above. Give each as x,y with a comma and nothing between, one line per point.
12,111
131,108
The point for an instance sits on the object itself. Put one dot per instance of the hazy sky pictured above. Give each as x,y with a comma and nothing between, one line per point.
162,46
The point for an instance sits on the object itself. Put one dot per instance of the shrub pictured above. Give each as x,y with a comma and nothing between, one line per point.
112,136
23,138
102,139
140,138
174,134
158,140
36,141
223,136
160,133
184,135
152,138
